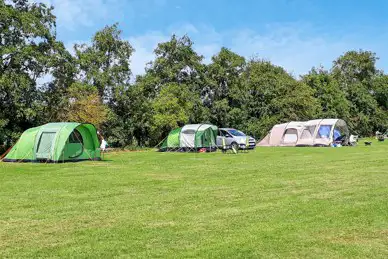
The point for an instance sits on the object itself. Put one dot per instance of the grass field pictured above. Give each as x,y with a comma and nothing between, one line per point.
271,203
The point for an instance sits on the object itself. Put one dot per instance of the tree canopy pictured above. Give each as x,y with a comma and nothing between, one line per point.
94,84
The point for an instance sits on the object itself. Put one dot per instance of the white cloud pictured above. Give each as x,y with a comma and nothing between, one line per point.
73,13
284,46
296,47
207,50
144,46
290,48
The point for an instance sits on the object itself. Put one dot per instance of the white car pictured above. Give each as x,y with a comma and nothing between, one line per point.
235,138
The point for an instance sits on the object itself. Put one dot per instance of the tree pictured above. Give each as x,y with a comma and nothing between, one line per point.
28,47
84,106
355,66
355,72
176,68
55,92
225,94
171,109
328,93
3,130
105,64
380,91
131,117
177,62
275,96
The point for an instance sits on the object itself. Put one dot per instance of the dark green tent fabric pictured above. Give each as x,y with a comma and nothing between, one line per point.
205,138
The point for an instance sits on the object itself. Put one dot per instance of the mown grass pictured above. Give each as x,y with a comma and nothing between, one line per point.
271,203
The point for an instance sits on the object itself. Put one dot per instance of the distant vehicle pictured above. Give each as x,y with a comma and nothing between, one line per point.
235,138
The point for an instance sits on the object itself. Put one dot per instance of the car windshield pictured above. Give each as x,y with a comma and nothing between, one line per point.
236,133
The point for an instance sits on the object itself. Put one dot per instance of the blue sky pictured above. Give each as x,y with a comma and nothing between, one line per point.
295,34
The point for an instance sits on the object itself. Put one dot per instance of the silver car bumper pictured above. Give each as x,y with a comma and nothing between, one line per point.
251,144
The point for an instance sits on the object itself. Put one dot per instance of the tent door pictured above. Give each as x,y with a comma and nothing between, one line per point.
45,145
188,138
74,147
290,136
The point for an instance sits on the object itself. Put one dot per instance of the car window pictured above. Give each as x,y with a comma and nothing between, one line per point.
224,133
236,133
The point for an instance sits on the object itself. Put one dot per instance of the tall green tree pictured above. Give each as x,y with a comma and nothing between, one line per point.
131,117
28,47
225,94
355,66
105,63
177,62
83,105
380,91
55,92
275,96
355,72
328,93
171,109
179,69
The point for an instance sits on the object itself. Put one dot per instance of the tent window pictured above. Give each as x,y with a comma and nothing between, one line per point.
46,142
308,132
189,132
290,136
339,132
75,137
324,131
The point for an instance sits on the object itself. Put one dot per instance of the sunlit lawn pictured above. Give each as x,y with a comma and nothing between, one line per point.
271,202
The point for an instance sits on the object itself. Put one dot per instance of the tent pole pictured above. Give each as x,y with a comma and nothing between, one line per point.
21,160
5,153
160,142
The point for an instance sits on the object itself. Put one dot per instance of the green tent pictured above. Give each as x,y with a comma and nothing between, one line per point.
192,137
56,142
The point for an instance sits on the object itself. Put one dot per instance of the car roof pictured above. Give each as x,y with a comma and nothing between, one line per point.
227,129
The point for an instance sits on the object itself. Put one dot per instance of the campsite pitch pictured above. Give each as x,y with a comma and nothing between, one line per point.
271,202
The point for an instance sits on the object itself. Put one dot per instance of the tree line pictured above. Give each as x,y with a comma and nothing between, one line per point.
93,83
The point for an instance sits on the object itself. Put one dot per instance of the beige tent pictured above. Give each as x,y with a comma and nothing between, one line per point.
286,134
321,132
